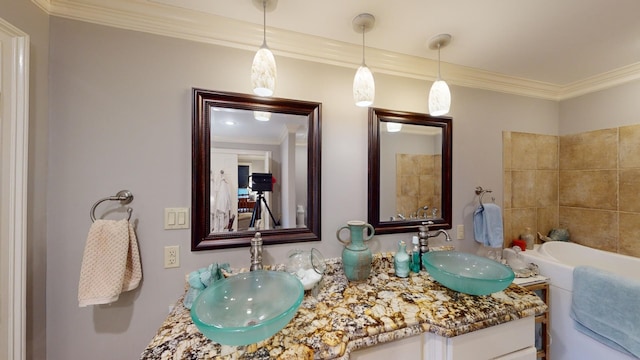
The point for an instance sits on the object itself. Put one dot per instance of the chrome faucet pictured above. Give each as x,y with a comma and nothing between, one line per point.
256,252
424,235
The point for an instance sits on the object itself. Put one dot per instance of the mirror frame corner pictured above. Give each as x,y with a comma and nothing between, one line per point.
203,100
376,116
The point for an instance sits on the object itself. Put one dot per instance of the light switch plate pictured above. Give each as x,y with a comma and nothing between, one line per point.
176,218
460,232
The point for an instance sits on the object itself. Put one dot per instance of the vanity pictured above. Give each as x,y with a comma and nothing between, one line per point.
410,318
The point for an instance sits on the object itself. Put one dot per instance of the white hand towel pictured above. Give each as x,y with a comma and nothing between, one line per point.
110,264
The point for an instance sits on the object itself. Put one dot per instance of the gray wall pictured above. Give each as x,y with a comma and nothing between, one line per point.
605,109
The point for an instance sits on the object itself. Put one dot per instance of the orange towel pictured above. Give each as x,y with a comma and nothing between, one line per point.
110,264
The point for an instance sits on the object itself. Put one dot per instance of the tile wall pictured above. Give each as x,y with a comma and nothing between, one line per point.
588,183
418,183
530,163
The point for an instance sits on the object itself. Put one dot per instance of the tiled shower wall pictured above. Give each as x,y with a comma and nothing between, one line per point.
595,186
530,164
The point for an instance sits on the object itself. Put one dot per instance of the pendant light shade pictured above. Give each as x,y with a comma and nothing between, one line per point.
439,98
262,115
263,72
439,95
393,127
263,69
364,87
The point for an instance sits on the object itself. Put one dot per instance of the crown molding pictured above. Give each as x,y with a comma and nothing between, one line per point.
160,19
600,82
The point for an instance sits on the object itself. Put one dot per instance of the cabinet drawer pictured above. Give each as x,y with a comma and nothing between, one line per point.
488,343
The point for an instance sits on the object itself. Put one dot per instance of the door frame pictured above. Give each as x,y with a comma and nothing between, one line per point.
14,155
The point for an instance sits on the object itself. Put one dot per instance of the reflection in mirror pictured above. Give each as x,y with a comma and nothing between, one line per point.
409,171
255,168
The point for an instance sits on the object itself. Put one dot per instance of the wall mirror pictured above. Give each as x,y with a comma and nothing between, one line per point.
409,171
255,167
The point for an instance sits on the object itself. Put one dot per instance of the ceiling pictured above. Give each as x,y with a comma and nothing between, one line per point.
553,49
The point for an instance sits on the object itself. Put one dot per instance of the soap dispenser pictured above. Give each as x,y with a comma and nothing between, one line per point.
401,260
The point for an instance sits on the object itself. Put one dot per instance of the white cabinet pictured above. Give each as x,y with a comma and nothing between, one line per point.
508,341
406,349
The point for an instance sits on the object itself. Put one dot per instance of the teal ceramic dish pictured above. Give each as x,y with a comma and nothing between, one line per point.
248,307
467,273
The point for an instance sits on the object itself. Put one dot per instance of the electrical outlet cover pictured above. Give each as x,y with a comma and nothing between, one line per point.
171,256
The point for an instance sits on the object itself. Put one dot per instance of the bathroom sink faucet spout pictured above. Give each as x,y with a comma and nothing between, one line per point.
441,231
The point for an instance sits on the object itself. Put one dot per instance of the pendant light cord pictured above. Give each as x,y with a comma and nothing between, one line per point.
363,31
438,61
264,23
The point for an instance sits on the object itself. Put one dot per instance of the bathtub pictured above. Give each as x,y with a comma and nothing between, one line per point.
556,260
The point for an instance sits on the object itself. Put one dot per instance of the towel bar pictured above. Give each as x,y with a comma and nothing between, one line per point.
124,196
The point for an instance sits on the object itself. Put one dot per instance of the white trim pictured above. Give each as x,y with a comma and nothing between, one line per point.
160,19
17,100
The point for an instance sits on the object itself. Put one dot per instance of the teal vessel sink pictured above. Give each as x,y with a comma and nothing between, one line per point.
248,307
467,273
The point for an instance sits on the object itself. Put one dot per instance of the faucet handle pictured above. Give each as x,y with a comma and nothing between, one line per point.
425,225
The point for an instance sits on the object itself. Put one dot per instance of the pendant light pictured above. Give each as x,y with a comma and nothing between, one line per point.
394,127
262,115
263,69
364,88
439,96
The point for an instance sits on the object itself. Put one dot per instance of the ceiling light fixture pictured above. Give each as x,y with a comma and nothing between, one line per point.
439,96
364,87
262,115
263,69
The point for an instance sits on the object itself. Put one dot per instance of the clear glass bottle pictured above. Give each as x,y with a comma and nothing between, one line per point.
528,237
401,260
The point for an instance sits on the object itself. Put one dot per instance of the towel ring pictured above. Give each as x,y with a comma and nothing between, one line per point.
480,191
124,196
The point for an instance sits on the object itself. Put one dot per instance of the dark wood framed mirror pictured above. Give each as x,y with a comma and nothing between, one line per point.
409,171
255,167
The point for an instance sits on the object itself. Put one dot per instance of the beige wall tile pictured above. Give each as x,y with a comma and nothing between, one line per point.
523,188
590,150
594,228
507,149
546,188
427,193
507,193
521,219
523,155
547,218
595,189
405,205
629,238
547,152
422,164
629,182
405,165
506,227
629,146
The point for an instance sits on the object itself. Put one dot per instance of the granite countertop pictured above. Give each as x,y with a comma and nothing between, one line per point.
347,316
